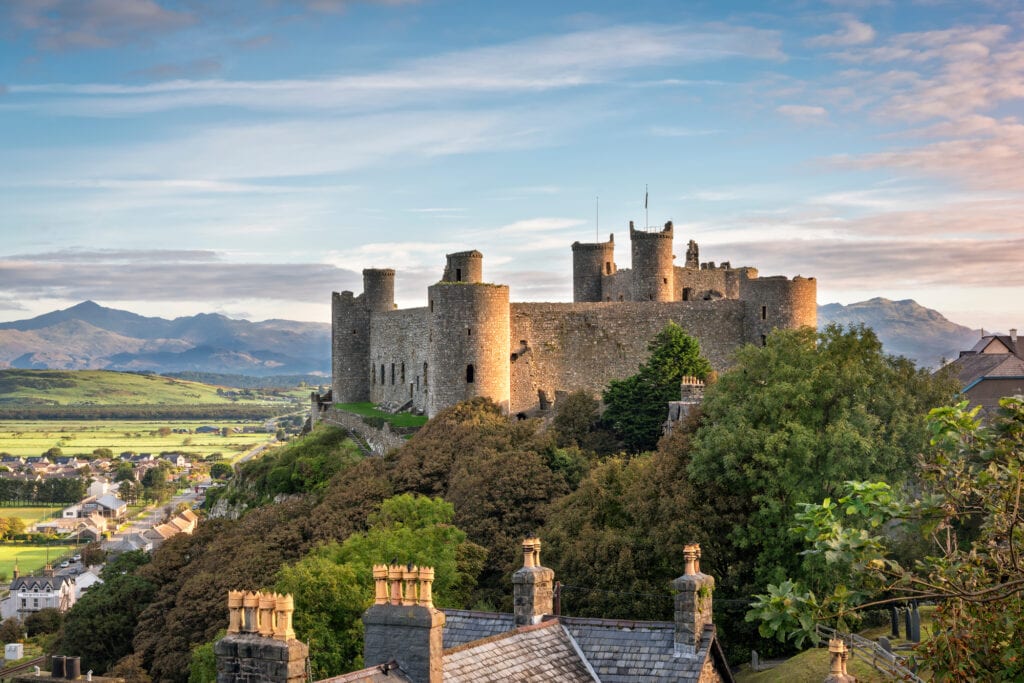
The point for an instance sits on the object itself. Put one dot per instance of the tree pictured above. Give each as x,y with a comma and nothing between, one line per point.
970,505
221,470
103,453
637,407
54,452
11,630
47,620
576,416
793,420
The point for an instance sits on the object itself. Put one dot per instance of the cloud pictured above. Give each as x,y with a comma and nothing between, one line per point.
160,275
339,6
852,32
196,67
535,225
803,113
531,65
70,24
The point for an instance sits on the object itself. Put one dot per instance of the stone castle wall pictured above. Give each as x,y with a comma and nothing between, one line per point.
584,345
398,340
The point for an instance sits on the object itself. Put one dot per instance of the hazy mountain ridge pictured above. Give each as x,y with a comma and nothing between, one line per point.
905,328
90,336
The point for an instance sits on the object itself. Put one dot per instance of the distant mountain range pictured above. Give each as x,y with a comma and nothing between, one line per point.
905,328
90,336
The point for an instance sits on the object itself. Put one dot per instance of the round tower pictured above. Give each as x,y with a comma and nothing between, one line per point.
468,351
778,302
350,349
379,289
653,275
464,266
590,263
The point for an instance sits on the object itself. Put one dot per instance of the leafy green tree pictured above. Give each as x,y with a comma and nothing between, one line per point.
54,452
203,667
969,504
103,453
793,420
12,630
47,620
221,470
636,407
576,416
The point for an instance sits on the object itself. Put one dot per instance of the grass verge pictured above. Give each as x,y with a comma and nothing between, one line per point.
367,409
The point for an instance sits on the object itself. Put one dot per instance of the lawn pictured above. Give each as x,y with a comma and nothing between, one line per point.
31,558
82,437
31,515
367,409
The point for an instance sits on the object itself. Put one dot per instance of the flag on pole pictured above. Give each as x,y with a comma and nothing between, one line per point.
645,196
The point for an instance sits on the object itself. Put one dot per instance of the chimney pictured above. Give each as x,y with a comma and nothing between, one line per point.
532,586
15,573
260,645
693,604
838,653
48,569
1013,338
402,624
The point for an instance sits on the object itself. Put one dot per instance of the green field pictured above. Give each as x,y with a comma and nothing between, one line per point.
31,558
101,387
367,409
30,515
82,437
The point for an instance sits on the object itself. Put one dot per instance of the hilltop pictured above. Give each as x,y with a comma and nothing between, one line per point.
89,336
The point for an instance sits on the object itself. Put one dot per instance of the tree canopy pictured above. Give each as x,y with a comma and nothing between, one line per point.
636,407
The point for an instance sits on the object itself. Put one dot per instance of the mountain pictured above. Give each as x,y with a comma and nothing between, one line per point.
905,328
91,336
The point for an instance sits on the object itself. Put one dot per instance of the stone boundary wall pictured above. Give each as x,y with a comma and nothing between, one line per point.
380,441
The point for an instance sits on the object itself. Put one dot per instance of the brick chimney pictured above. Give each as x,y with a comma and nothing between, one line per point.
260,646
838,653
402,624
693,604
532,586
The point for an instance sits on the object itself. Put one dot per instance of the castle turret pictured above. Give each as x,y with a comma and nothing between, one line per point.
379,289
468,347
590,263
464,266
778,302
653,275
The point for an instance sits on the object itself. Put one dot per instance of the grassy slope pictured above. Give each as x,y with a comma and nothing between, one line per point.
102,387
367,409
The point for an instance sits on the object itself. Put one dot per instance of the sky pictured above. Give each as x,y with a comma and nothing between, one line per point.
249,157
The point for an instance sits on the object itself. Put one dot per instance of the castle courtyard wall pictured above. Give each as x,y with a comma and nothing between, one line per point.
398,339
565,347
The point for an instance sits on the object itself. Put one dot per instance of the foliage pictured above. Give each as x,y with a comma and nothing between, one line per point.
970,507
305,465
55,490
47,620
791,422
333,584
130,669
221,470
99,626
11,630
636,407
575,416
203,666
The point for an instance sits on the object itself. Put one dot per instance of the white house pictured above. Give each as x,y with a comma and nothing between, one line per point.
33,593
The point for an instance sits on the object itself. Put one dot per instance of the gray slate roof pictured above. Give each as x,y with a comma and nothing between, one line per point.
39,583
544,652
464,626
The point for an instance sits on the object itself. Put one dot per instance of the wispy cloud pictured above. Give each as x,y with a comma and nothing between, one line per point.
70,24
803,113
852,32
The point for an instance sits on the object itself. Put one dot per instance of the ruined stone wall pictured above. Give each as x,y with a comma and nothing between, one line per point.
398,342
617,286
468,344
380,440
726,281
564,347
778,302
464,266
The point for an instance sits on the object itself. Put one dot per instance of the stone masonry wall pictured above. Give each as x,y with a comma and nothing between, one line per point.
564,347
398,339
380,440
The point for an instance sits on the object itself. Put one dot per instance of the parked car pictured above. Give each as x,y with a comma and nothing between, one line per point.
65,564
76,558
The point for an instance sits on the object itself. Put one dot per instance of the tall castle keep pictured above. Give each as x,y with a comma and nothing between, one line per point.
470,340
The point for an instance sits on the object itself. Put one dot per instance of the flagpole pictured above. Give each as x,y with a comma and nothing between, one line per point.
647,219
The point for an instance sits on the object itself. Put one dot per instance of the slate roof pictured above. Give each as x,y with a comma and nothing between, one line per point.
373,674
464,626
543,652
39,583
111,502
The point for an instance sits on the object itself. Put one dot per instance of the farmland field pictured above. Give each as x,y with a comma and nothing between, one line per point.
82,437
30,515
31,558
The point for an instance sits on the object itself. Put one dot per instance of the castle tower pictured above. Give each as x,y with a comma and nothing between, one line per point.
468,347
379,289
590,263
653,275
464,266
350,334
778,302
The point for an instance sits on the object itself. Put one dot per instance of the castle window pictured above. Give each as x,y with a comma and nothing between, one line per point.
373,374
764,313
426,382
620,297
403,373
687,293
664,280
353,331
392,374
431,305
458,274
469,374
764,340
382,373
469,331
607,267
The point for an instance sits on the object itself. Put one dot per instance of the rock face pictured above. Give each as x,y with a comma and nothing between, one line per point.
905,328
92,337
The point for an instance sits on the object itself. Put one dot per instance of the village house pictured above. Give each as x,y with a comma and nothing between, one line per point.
33,593
991,370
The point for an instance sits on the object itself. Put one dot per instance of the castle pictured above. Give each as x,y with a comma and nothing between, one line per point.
470,340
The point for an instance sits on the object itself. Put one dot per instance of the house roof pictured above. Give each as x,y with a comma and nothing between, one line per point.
111,501
543,652
464,626
40,583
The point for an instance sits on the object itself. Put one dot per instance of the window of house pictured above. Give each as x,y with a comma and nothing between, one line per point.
469,374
